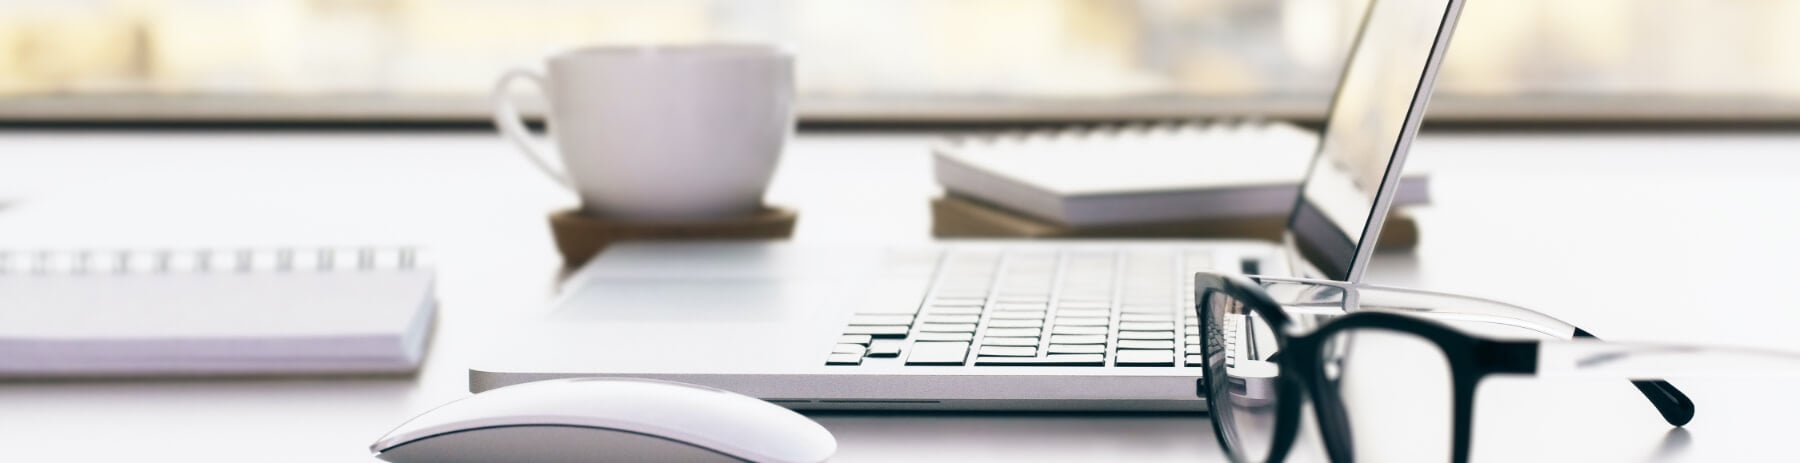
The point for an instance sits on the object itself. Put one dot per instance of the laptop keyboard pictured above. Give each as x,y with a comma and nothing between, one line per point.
1089,307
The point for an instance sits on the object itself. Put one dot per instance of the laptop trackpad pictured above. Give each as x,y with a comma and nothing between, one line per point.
692,301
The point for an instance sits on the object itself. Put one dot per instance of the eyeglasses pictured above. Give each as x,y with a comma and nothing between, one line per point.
1386,377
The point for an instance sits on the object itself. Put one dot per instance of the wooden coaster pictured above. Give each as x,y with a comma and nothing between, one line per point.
579,237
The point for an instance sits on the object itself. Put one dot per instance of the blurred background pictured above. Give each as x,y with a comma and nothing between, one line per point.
880,61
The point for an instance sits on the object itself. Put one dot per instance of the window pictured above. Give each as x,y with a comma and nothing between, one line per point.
882,60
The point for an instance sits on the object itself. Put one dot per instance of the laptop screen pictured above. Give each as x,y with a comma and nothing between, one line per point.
1380,100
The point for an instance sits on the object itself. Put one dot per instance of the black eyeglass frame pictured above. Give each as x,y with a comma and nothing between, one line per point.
1301,366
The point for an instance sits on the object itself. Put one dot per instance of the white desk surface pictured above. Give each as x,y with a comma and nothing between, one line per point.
1688,237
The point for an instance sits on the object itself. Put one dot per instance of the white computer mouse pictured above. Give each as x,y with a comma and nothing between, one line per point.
596,419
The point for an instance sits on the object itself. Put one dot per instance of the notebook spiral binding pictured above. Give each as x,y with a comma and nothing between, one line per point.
238,260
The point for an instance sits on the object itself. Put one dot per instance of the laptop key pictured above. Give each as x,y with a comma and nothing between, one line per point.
881,320
939,318
1038,315
1192,349
947,327
1083,313
1078,339
938,353
1145,358
958,302
1147,326
853,339
1008,351
1067,329
857,349
953,311
885,348
1014,332
1147,317
1153,335
844,359
1077,349
1147,308
1009,341
1195,360
1063,360
964,337
878,331
960,292
1080,321
1016,323
1142,344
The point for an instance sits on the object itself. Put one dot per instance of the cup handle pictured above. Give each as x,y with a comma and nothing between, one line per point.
512,126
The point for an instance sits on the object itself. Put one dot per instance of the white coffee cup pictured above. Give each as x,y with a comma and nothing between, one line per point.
660,132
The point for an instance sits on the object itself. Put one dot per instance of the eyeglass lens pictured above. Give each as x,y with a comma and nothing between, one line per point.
1395,391
1241,379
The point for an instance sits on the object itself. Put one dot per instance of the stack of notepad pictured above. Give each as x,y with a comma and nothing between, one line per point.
1228,179
213,312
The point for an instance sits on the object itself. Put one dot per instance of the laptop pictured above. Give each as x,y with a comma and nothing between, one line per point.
979,325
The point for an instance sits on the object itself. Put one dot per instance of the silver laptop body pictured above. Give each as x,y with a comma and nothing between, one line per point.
979,325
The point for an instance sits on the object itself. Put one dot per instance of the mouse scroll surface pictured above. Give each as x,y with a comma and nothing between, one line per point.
550,444
596,419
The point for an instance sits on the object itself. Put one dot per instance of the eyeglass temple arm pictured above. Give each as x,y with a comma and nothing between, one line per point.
1587,357
1529,358
1674,406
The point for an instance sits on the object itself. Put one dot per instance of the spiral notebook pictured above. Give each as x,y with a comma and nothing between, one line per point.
214,312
